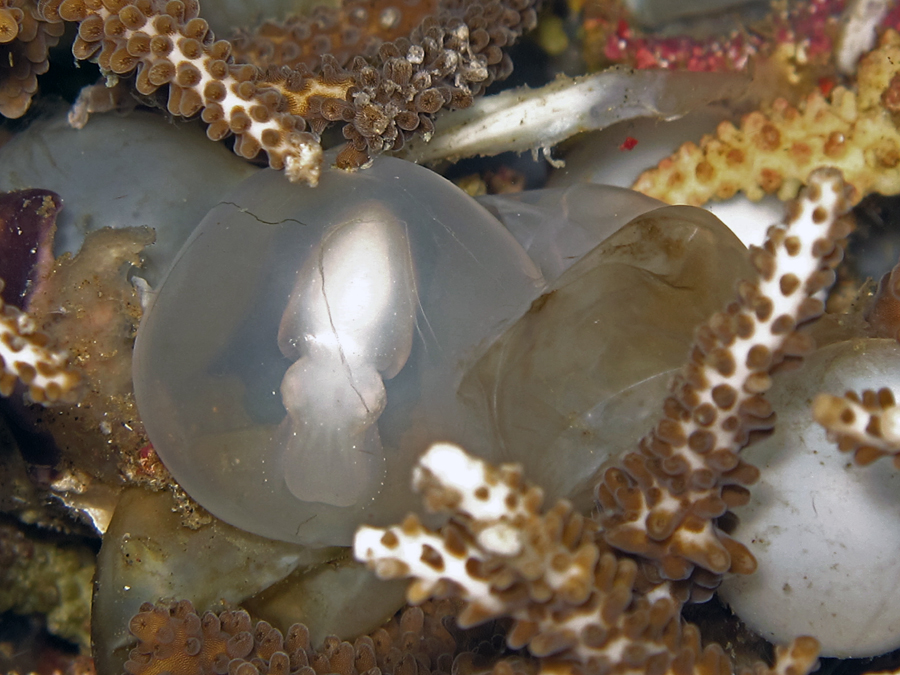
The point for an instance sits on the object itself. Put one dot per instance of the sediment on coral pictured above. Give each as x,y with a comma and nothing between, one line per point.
43,574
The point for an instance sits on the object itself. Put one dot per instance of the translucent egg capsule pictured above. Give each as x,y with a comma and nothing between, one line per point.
307,345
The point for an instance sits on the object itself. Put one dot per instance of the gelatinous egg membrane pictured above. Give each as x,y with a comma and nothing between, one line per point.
120,171
308,344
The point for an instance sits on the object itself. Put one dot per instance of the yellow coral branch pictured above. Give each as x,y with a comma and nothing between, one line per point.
774,150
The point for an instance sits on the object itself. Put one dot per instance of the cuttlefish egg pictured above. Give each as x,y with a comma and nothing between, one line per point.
307,344
179,177
580,376
348,325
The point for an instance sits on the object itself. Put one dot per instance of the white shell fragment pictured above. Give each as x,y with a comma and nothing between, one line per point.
823,529
525,119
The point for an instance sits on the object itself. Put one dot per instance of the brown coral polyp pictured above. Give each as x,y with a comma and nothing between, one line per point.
9,23
173,638
25,39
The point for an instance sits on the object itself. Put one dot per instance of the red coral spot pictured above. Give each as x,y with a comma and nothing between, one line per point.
628,143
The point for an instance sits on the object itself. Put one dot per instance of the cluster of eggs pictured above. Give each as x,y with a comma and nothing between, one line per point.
305,346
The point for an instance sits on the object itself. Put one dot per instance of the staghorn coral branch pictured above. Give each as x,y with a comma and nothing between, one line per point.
660,502
575,603
503,557
449,58
169,44
25,356
867,425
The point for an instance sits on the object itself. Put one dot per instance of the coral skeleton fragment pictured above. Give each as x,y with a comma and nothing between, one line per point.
773,150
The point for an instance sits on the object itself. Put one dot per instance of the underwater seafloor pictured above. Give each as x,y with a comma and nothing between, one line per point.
64,473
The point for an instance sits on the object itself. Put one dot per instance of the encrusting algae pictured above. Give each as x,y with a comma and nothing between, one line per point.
47,575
